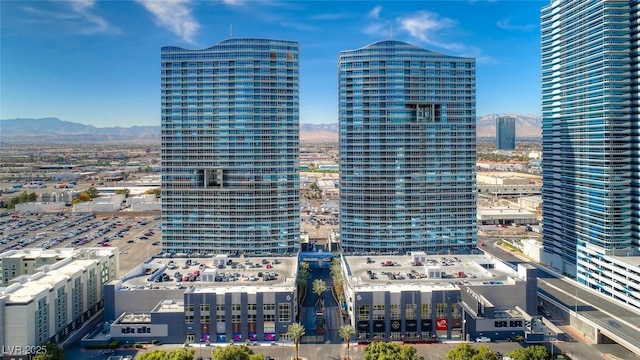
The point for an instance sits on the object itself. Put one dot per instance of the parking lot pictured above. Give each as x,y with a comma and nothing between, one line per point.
137,237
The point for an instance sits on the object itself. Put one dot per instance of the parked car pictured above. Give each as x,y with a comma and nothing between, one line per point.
483,339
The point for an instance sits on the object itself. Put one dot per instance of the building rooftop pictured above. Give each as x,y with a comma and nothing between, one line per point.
431,271
24,288
507,314
31,253
214,272
502,212
169,306
134,318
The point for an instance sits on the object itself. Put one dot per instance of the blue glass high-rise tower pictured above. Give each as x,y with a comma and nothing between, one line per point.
590,142
505,133
230,147
407,150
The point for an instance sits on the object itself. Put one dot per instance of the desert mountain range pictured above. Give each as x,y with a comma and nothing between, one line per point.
54,130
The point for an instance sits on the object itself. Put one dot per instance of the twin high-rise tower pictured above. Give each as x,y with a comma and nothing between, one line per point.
230,147
407,150
230,120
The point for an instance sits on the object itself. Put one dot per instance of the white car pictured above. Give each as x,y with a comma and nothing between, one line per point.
483,339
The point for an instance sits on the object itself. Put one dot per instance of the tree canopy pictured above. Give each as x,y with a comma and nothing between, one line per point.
296,331
126,192
235,352
346,332
461,352
535,352
176,354
92,192
379,350
22,198
49,352
319,287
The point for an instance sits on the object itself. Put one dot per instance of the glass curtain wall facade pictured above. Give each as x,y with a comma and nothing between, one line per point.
230,147
407,150
590,136
505,133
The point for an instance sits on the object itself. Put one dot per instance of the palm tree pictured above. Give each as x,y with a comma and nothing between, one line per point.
346,332
319,287
295,331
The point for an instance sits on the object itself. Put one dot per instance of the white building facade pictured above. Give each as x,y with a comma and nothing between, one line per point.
57,299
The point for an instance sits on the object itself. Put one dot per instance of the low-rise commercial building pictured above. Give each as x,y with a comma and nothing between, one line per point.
421,297
213,299
505,216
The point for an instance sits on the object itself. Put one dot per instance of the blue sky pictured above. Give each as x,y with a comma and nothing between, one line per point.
98,62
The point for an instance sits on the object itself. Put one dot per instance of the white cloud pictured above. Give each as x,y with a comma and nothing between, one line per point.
80,18
381,29
329,16
175,15
425,26
95,22
233,2
375,12
507,25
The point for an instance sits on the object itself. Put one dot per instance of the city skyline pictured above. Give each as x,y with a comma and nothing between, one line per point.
96,62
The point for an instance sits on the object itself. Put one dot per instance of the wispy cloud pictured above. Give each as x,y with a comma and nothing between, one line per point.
375,12
233,2
330,16
507,25
425,26
175,15
429,29
273,12
78,14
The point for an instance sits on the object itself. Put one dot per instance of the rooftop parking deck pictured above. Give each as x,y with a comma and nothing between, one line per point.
210,272
433,270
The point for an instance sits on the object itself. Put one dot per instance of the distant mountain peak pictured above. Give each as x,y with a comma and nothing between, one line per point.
54,130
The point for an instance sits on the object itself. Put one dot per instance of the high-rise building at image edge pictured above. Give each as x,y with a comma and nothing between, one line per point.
230,147
407,150
590,142
505,133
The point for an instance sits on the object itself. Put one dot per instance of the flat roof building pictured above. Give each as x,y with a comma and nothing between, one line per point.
57,297
213,299
420,297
